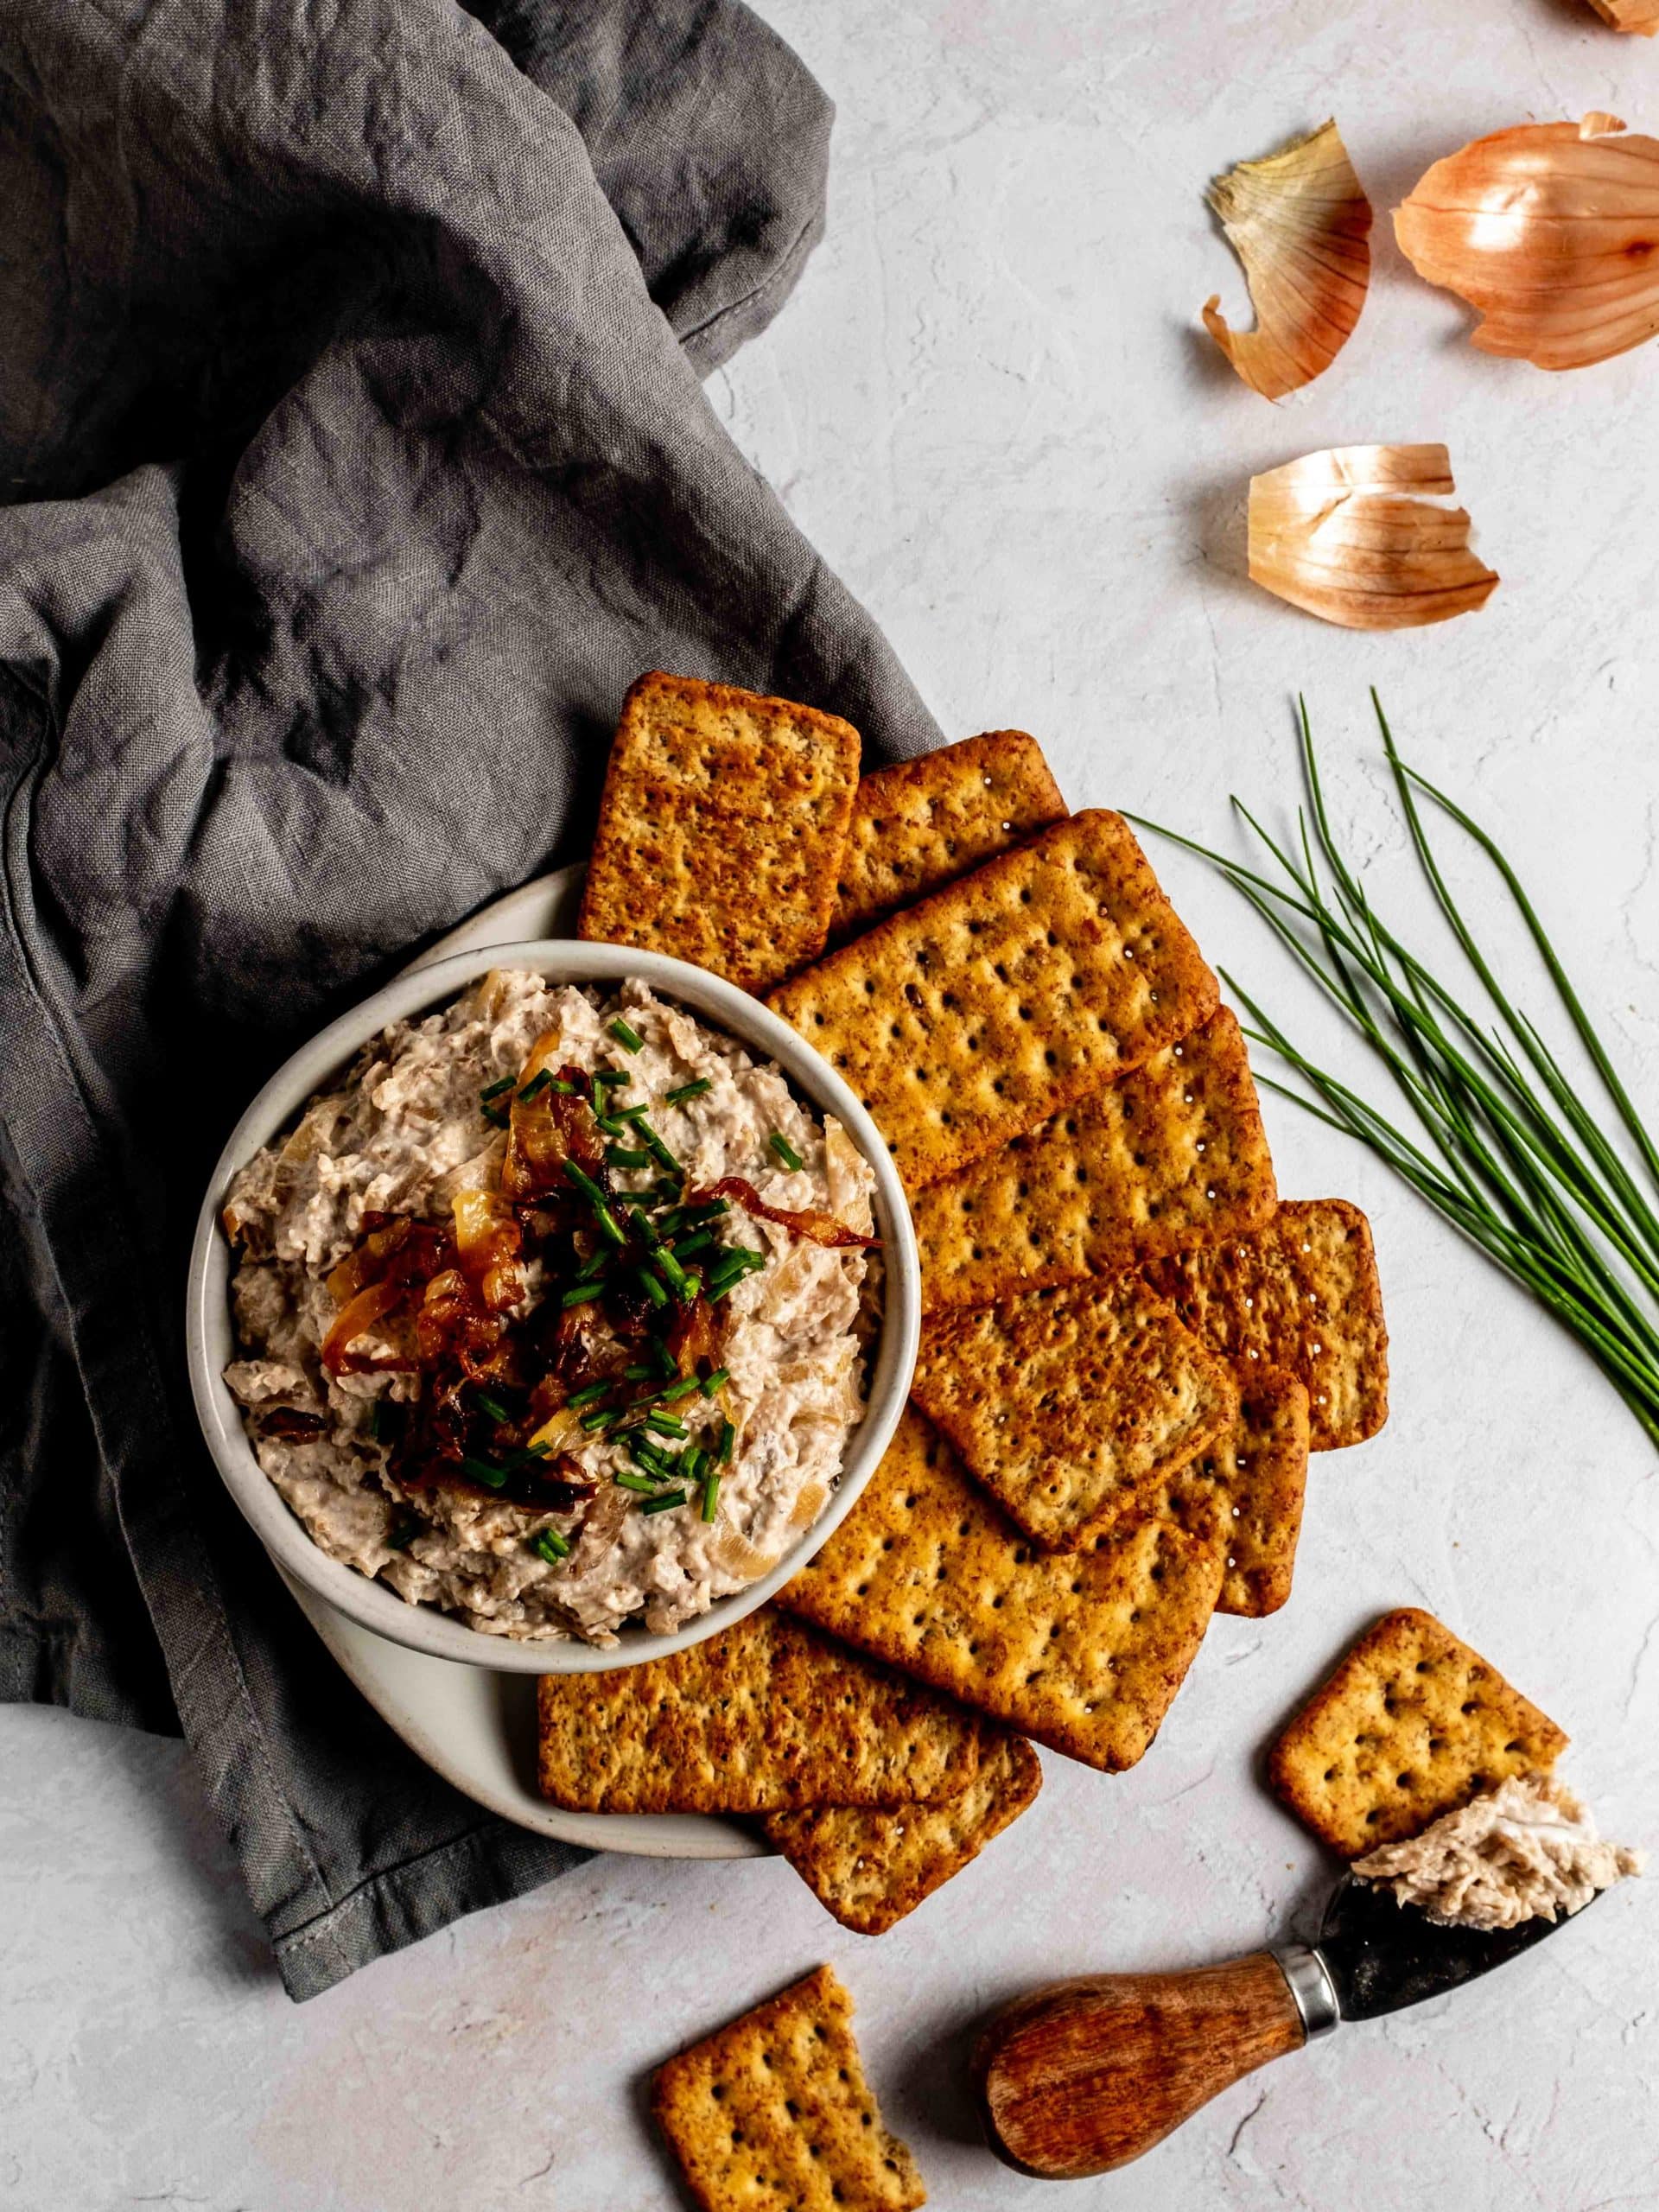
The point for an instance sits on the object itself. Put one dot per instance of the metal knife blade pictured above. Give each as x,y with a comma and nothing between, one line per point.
1382,1956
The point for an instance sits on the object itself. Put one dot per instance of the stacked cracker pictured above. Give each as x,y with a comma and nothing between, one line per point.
1130,1345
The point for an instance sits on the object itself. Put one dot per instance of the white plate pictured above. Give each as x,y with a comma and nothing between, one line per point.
476,1728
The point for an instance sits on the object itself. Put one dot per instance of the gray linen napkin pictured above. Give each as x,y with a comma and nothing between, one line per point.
353,461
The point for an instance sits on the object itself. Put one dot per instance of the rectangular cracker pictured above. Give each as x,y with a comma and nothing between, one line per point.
772,2113
1171,1156
1301,1292
1084,1651
1069,1404
1253,1479
870,1869
766,1715
722,828
968,1020
1412,1725
920,825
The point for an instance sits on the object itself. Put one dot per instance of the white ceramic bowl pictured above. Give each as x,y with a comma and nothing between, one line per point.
210,1346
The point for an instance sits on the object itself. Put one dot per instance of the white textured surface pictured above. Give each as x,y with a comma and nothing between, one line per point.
990,407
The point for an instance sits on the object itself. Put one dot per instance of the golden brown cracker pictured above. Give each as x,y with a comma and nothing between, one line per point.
722,828
1169,1157
1069,1404
1256,1474
920,825
772,2113
766,1715
968,1020
1301,1292
1082,1650
870,1869
1412,1725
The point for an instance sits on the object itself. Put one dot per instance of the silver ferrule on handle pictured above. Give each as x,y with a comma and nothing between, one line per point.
1312,1988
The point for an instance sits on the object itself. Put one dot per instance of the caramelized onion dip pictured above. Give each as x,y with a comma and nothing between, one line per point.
1527,1848
553,1314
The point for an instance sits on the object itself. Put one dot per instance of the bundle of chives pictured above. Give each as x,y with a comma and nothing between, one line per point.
1520,1162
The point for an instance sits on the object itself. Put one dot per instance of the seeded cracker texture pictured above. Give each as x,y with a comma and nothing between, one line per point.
870,1869
773,2114
966,1020
766,1715
1254,1478
1412,1725
1172,1156
1301,1294
1084,1651
722,828
1070,1404
918,826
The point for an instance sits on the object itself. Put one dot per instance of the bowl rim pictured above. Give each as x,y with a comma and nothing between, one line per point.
210,1344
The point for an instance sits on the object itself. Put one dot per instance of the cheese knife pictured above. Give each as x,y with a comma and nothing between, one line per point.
1082,2076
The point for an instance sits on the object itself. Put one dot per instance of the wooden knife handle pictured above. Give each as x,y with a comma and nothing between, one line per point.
1085,2075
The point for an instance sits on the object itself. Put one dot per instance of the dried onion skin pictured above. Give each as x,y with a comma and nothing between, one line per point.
1299,223
1551,232
1353,536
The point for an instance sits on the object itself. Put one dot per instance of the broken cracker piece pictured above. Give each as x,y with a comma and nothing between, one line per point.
772,2113
1171,1156
1082,1651
1256,1474
968,1020
1301,1292
766,1715
722,828
870,1869
920,825
1412,1724
1071,1404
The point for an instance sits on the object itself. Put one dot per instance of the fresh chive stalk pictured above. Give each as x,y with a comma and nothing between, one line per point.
538,1082
689,1090
493,1406
580,1293
492,1478
665,1503
496,1090
628,1039
646,1484
712,1384
786,1151
1517,1156
710,1493
553,1547
588,1394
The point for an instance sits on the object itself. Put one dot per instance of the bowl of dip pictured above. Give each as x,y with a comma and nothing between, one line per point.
549,1311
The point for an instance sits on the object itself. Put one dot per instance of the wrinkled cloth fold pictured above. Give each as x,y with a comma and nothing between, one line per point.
353,459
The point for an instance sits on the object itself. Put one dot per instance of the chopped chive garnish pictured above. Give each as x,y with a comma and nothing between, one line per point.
665,1503
620,1155
494,1089
584,1182
595,1266
588,1394
482,1472
710,1210
672,1273
404,1536
580,1293
603,1418
691,1463
699,1240
711,1493
496,1119
665,1424
650,1457
629,1039
723,1449
667,1367
680,1390
652,1287
604,1079
660,1151
711,1384
553,1547
640,1482
785,1152
666,1189
538,1083
689,1090
608,1224
493,1406
639,1372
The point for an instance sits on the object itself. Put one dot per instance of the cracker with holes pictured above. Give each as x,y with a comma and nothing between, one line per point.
870,1869
1301,1293
1252,1479
969,1019
767,1714
1082,1650
1071,1404
921,825
722,828
1412,1725
1170,1157
773,2114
